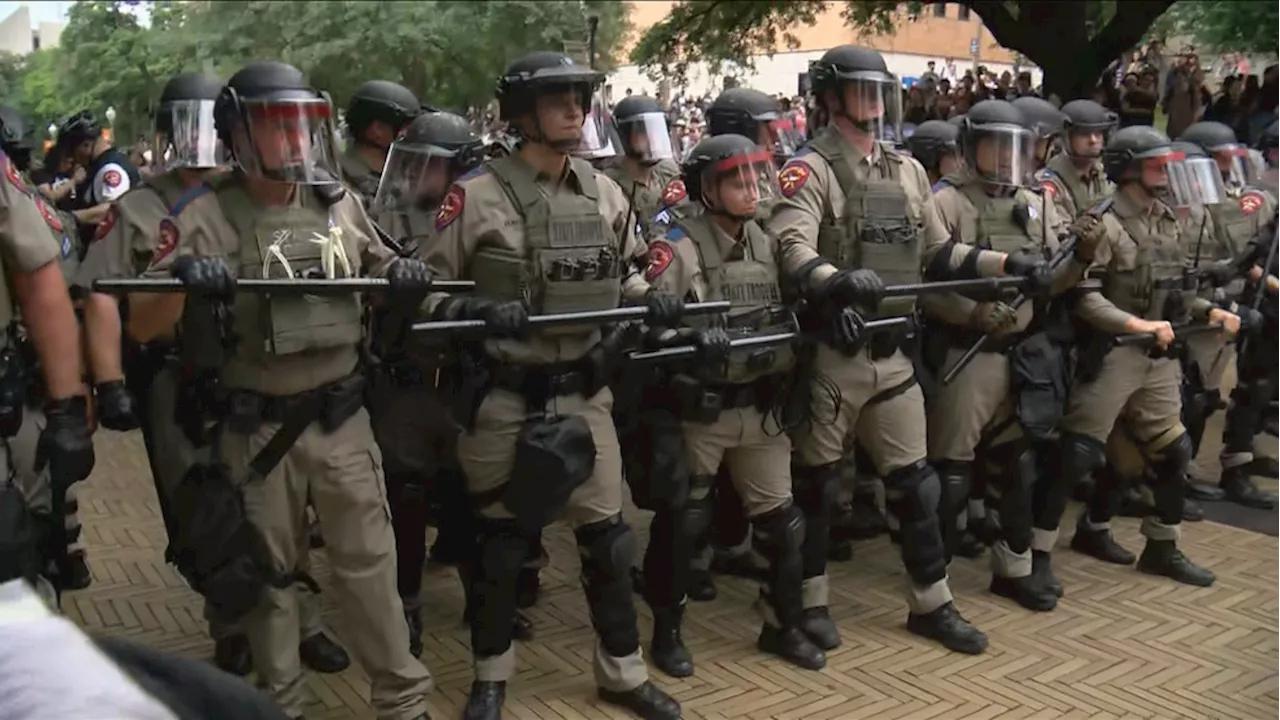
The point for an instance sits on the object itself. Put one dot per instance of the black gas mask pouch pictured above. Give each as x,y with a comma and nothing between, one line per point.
555,455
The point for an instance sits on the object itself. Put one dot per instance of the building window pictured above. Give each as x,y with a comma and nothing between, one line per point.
940,10
964,13
35,41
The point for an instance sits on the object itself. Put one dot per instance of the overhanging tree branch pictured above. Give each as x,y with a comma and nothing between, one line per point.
1132,20
1005,28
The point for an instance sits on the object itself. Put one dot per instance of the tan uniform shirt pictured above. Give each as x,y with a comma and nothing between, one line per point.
674,264
811,194
1060,176
477,213
25,242
127,239
204,229
644,197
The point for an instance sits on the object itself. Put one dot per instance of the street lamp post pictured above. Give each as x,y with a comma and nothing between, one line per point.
593,22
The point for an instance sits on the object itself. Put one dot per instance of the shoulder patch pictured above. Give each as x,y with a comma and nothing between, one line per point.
793,177
942,182
11,172
187,198
50,217
450,207
660,256
112,178
674,192
1049,188
168,240
663,217
107,223
1251,202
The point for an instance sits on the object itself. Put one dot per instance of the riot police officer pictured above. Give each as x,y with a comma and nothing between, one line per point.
988,204
1046,121
294,427
1074,179
723,254
647,162
854,215
935,145
1268,144
1236,222
1136,386
542,231
378,111
108,172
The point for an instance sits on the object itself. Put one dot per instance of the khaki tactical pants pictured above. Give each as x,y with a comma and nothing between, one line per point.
174,455
756,451
1147,393
487,455
341,473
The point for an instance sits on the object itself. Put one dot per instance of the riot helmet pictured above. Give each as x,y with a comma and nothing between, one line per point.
998,146
932,142
1232,156
183,132
730,175
276,126
1198,173
1045,120
639,130
751,114
430,154
865,93
17,137
77,136
957,121
381,101
1141,155
570,116
1268,143
1087,127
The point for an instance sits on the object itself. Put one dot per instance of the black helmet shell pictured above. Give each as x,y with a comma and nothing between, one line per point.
709,151
1191,150
847,62
739,111
526,78
993,112
932,140
381,101
16,131
1132,143
191,86
446,132
1087,115
1042,117
633,106
1210,135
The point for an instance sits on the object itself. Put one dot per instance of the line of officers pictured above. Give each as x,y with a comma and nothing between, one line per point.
266,411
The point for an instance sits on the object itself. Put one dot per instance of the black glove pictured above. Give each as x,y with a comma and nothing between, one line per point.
1031,266
65,442
507,319
847,331
115,406
713,349
1251,321
854,287
409,280
1219,275
665,308
204,275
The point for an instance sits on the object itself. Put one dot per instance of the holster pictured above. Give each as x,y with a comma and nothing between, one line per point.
1040,372
554,456
694,401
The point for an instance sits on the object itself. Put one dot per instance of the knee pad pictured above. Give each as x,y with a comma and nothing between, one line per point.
1171,460
1081,455
697,511
778,531
503,551
608,548
817,489
914,493
957,479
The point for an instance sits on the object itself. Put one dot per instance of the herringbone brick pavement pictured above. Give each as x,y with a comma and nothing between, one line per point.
1120,645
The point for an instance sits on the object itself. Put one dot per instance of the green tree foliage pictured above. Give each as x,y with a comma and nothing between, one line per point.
449,53
1073,42
1247,26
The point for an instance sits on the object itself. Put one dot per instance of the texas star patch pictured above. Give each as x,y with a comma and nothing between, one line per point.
50,217
111,178
107,223
1049,189
660,256
793,177
168,240
450,208
11,172
674,193
1251,202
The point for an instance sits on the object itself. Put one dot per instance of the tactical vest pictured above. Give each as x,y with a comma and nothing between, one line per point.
1232,227
356,174
751,285
283,242
877,229
571,261
1144,290
997,222
1083,196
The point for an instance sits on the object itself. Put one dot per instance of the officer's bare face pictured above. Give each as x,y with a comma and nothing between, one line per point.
949,164
738,193
560,115
1088,143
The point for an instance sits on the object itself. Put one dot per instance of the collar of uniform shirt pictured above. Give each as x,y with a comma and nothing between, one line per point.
1126,207
569,173
728,244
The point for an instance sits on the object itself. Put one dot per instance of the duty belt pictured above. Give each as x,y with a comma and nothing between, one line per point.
755,394
963,338
538,384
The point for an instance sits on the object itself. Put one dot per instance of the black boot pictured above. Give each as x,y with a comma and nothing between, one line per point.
73,571
528,586
414,620
1191,510
231,655
1162,557
1239,488
523,628
485,701
820,628
1042,566
702,588
792,645
647,701
1102,545
667,650
1029,592
970,546
323,655
948,627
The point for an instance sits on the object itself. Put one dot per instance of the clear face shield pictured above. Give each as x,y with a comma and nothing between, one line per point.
779,137
873,103
1200,179
1232,164
1003,155
738,184
1155,175
185,136
415,177
645,137
288,141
